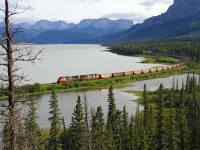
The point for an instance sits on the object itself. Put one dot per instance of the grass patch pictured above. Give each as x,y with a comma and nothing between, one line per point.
159,59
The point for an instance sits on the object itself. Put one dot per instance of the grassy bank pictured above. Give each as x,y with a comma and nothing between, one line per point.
159,59
38,89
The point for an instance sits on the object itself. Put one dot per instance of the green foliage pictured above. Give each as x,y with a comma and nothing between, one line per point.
77,129
35,138
55,119
179,48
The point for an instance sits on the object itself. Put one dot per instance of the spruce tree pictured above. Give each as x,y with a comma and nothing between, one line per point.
145,130
173,133
64,136
111,109
35,141
160,121
125,130
182,123
55,120
131,133
98,130
111,120
77,129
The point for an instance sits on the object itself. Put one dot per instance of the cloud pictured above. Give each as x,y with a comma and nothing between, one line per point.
136,17
149,3
16,5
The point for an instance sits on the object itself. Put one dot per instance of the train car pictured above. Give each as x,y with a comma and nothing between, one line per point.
87,77
146,71
105,76
76,78
165,67
159,68
97,76
174,66
137,72
169,66
153,69
118,74
61,80
128,73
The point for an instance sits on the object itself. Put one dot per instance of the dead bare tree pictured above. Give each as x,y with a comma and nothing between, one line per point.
11,77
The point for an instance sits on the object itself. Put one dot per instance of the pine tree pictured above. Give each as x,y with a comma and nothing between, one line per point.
87,124
137,129
35,141
173,133
55,119
64,136
98,130
131,133
111,109
117,130
77,129
182,123
125,130
160,121
145,130
111,120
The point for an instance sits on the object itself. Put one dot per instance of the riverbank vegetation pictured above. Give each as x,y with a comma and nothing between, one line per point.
35,89
169,120
190,49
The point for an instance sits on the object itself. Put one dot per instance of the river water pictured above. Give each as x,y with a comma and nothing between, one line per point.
76,59
59,60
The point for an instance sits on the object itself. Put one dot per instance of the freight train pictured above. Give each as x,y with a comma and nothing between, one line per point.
64,79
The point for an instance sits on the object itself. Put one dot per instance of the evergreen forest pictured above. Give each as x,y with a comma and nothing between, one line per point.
170,119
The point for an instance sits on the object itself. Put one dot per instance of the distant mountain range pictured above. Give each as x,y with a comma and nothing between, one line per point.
180,22
45,31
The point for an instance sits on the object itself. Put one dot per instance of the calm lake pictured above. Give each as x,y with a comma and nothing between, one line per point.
62,60
76,59
67,100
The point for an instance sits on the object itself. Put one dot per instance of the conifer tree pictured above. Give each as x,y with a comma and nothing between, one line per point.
87,123
35,140
117,130
145,130
160,121
131,133
98,130
55,119
111,109
77,129
125,130
64,136
182,123
137,129
152,129
111,119
173,133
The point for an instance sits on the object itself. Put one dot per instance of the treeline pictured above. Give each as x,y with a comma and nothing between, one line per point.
179,48
170,119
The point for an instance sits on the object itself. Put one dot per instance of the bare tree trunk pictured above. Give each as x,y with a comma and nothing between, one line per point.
11,97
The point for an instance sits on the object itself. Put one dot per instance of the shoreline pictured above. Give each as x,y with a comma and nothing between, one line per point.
102,83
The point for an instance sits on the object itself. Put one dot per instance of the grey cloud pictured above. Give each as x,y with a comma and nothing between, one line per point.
136,17
149,3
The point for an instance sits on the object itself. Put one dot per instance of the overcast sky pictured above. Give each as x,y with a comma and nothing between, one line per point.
76,10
